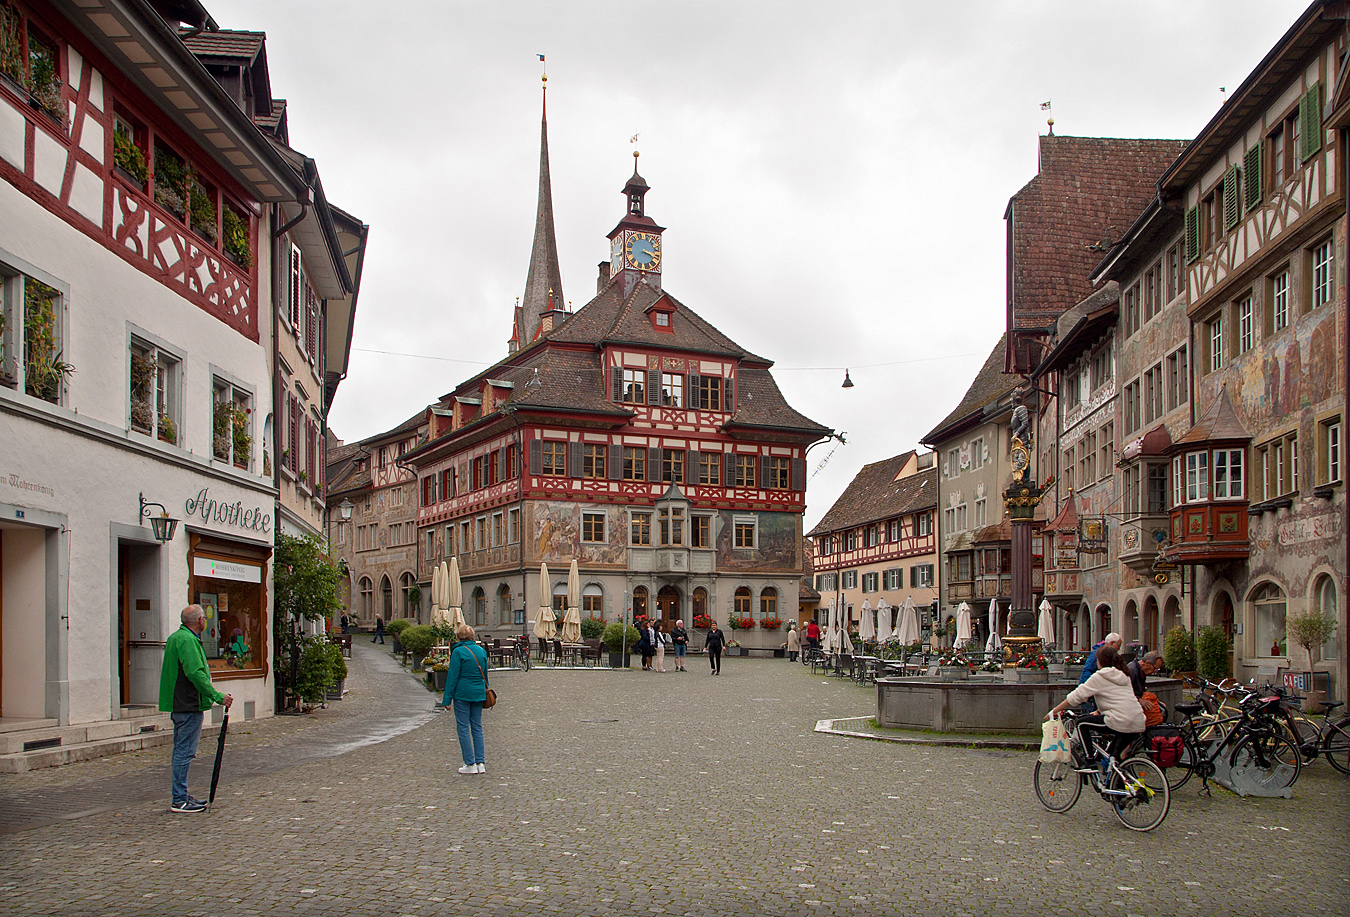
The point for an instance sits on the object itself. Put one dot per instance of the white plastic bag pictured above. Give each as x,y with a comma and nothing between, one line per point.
1055,742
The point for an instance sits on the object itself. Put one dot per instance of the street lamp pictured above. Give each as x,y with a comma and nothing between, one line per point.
161,526
345,510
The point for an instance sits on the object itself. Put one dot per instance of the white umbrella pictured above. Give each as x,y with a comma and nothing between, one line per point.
907,624
832,629
571,630
867,630
995,642
1045,629
435,597
452,592
883,622
543,621
962,624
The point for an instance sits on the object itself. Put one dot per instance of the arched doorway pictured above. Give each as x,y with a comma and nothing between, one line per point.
667,605
1171,617
1103,626
386,597
1149,634
639,602
504,604
1130,625
1223,613
1084,629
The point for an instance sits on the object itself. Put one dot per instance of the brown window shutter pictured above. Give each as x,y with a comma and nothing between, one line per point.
536,457
764,479
615,461
1192,234
653,386
1251,164
729,469
616,384
574,459
692,399
798,474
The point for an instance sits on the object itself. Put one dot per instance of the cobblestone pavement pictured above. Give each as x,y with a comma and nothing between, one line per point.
622,793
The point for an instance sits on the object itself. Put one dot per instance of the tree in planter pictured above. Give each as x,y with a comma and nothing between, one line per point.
1310,628
1179,650
417,640
316,672
305,586
1211,650
620,637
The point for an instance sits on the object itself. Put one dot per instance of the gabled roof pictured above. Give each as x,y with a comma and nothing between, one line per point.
230,43
991,384
1085,197
875,493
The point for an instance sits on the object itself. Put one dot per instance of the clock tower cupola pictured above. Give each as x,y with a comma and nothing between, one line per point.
635,244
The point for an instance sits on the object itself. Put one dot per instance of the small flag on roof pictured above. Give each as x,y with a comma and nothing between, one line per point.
1045,106
540,56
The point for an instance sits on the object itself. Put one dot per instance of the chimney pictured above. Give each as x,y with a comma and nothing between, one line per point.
603,280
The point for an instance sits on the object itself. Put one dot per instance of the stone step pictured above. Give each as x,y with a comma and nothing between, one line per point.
48,735
156,734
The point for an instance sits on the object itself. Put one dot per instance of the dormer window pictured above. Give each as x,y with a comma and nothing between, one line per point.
663,319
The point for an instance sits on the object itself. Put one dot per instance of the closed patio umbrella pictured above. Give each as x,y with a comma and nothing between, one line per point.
867,629
571,629
962,624
453,593
543,620
907,624
436,588
995,642
1045,629
832,630
884,632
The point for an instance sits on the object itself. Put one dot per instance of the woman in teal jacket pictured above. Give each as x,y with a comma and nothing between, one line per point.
466,687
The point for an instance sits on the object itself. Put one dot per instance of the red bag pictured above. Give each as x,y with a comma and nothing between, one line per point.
1165,750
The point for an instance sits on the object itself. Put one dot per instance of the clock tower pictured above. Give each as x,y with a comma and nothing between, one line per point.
635,244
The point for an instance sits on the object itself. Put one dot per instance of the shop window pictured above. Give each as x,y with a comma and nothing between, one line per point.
232,423
228,581
1267,610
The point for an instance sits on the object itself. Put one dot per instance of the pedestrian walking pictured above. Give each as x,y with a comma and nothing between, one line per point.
185,691
379,630
662,641
346,623
466,685
794,642
713,644
679,642
813,635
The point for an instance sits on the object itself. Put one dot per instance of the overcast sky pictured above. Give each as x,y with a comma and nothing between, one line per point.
832,176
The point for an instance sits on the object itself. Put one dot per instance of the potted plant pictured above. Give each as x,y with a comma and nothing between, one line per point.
168,430
734,648
1179,652
1212,653
1311,628
44,370
316,673
235,242
619,639
592,627
393,629
128,158
1030,668
44,83
953,665
703,622
991,665
771,623
339,666
417,640
201,211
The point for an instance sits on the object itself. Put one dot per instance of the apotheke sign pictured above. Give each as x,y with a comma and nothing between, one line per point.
255,519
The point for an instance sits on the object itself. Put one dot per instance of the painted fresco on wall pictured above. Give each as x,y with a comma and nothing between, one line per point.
557,535
1299,371
777,548
557,531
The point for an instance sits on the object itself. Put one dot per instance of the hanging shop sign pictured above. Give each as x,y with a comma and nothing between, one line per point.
1092,535
255,518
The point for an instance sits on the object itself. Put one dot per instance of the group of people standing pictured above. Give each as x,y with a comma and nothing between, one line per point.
654,641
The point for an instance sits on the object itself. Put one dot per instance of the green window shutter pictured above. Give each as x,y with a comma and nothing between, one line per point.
1192,234
1252,166
1231,208
1310,123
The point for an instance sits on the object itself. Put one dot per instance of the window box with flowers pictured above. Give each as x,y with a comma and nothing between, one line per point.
11,49
202,210
128,158
44,78
1031,668
741,622
45,373
235,241
172,177
703,622
771,623
231,440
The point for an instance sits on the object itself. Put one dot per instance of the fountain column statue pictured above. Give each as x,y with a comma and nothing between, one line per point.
1021,498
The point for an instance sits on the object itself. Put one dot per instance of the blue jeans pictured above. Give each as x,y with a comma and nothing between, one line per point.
187,731
469,725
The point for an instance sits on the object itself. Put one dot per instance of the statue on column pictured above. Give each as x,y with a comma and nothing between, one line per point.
1020,425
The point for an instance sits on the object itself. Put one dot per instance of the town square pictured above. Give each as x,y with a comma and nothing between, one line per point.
910,477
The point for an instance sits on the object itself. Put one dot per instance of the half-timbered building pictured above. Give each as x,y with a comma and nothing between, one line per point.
1259,507
879,539
631,436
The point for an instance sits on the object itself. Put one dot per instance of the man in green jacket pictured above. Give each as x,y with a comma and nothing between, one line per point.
185,691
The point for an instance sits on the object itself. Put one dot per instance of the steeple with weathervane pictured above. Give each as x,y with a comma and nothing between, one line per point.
542,307
635,244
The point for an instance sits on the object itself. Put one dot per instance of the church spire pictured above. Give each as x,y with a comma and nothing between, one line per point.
543,283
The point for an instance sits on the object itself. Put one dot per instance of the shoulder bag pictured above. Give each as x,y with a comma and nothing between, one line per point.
491,699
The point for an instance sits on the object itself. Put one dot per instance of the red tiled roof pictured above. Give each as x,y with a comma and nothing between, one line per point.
875,494
224,43
1220,424
1086,196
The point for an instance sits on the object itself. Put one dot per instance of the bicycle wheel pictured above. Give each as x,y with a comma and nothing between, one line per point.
1147,798
1057,785
1336,745
1179,773
524,656
1270,761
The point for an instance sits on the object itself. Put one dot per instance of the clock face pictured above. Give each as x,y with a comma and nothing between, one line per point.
616,253
643,250
1019,459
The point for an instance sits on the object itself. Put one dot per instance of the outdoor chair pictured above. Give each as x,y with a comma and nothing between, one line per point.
592,651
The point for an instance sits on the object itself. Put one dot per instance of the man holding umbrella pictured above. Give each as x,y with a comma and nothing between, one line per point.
185,691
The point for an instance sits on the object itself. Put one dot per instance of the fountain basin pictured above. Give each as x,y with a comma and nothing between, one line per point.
983,703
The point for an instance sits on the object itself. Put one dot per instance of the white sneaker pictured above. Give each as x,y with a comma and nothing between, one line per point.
480,768
469,769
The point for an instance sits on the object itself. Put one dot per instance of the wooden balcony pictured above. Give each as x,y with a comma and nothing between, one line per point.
1208,533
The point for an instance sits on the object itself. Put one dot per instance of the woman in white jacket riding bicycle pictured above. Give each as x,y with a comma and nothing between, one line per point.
1119,713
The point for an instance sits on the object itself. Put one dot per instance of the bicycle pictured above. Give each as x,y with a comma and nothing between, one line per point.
1135,786
522,652
1259,753
1331,740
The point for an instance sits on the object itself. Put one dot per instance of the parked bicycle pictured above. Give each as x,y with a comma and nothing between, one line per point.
1248,742
522,651
1135,787
1330,740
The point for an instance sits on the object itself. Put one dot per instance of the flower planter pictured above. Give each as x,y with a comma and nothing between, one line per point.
335,692
398,647
130,179
1026,676
438,680
14,85
619,660
735,651
953,672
